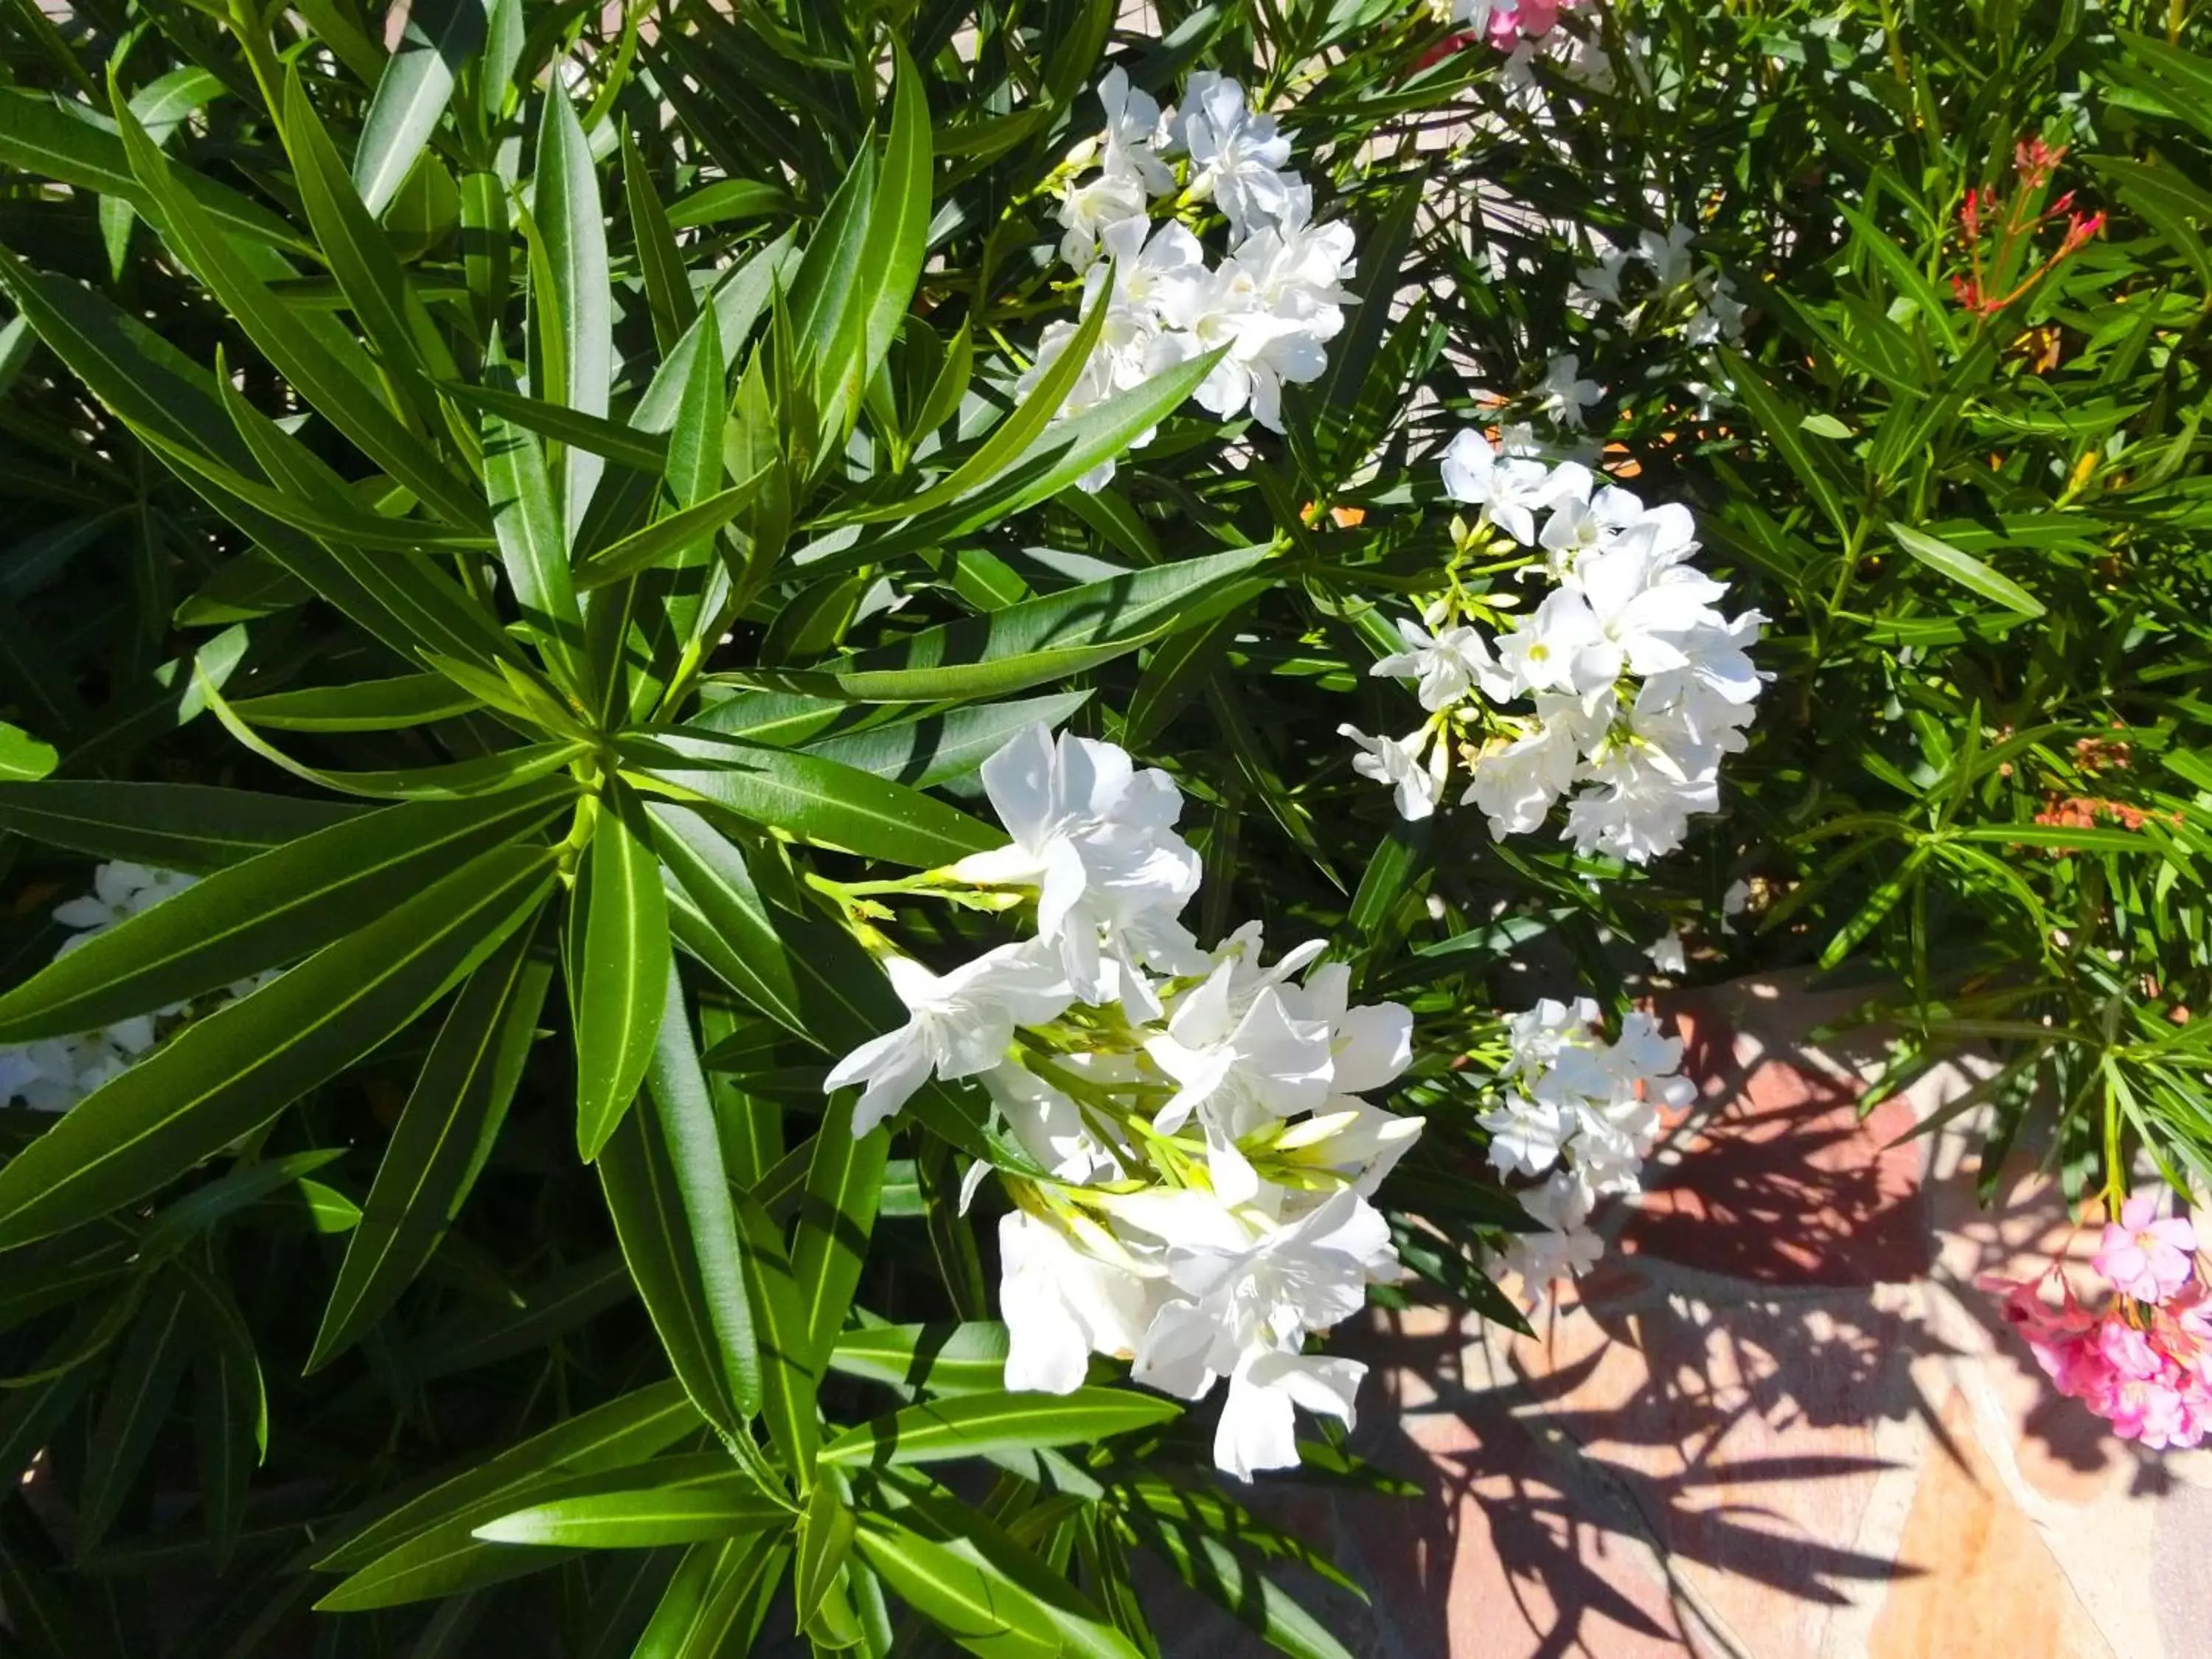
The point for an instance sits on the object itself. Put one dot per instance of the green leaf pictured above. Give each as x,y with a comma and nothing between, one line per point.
444,1134
609,1436
938,1359
228,1074
23,758
232,1416
844,1183
972,1426
825,1539
1211,1567
534,547
53,138
339,391
722,1506
567,209
287,902
441,37
1026,644
360,255
726,199
626,445
715,1604
667,285
172,826
617,966
407,700
669,536
980,1608
923,753
822,802
898,238
139,1389
1780,423
789,1376
1008,441
1966,570
686,1113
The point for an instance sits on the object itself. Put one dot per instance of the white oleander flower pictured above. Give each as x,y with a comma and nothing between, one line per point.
1565,394
1516,785
1511,493
1668,255
1397,761
1527,1135
1237,154
1244,1310
1556,649
1666,953
1050,1124
1062,1302
961,1023
119,891
1448,666
1096,837
1135,133
1637,611
1600,282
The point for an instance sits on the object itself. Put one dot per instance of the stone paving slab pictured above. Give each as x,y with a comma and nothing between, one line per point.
1777,1423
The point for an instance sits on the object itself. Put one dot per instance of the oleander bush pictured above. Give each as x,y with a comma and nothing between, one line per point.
783,780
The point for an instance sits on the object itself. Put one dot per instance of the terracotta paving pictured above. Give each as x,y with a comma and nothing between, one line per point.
1779,1422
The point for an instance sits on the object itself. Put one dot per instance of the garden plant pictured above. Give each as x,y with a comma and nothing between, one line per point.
783,780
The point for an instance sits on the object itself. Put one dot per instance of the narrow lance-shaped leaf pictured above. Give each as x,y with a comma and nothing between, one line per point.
844,1184
975,1425
533,547
639,1180
152,1363
686,1109
441,37
566,206
339,393
617,966
191,827
289,901
228,1074
443,1136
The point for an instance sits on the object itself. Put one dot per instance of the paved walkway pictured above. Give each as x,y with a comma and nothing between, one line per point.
1778,1423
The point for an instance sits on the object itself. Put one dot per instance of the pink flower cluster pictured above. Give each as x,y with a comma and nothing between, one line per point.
2144,1364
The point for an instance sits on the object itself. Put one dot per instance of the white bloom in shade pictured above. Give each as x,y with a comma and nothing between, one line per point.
1737,899
961,1023
1719,315
1096,837
1666,953
1397,761
1600,282
1541,1259
1526,1135
1258,1429
1511,493
1564,1202
1565,394
1446,665
1061,1303
1668,255
1237,154
119,891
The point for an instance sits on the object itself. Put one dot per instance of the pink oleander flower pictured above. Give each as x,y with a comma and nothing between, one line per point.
2147,1258
2145,1368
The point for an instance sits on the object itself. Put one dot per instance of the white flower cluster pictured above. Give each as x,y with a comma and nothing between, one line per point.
54,1074
1698,299
1639,684
1274,301
1199,1113
1582,1113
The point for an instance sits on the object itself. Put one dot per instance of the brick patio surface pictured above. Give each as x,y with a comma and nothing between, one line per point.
1777,1422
